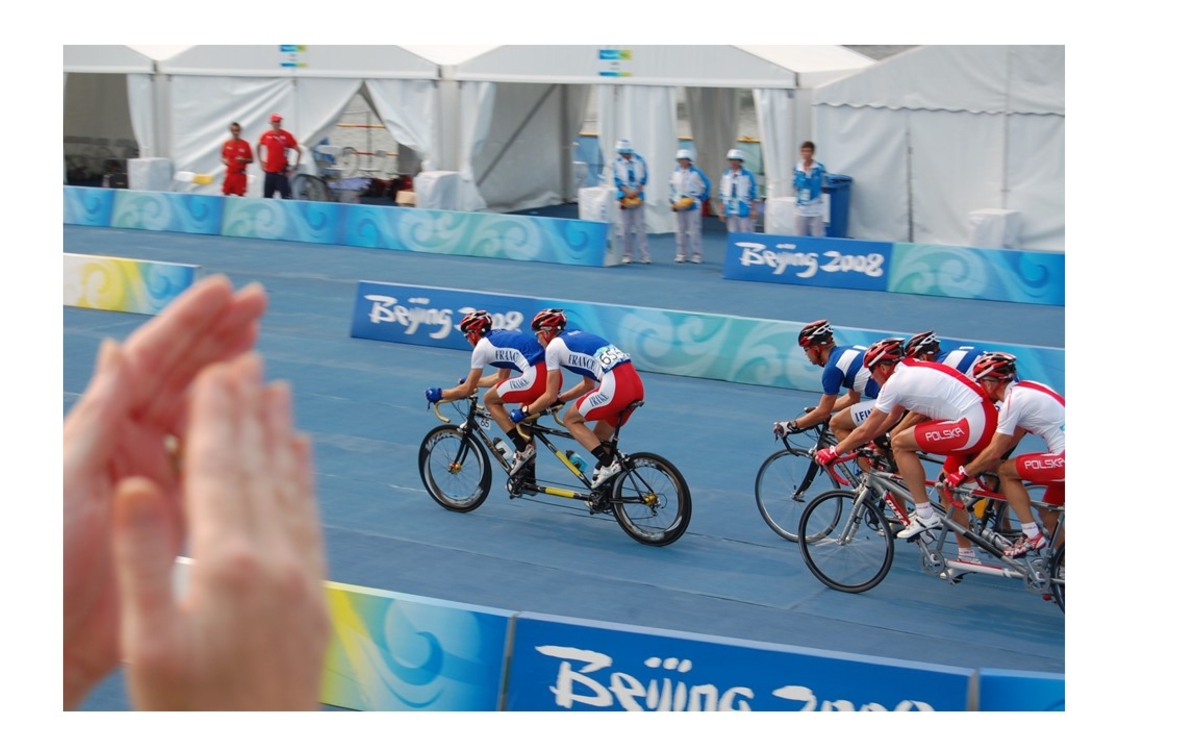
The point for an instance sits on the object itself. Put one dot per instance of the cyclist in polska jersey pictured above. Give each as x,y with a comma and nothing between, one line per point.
927,347
959,420
610,383
520,375
842,369
1026,406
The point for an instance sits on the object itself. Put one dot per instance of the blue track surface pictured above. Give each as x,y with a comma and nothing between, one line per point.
729,575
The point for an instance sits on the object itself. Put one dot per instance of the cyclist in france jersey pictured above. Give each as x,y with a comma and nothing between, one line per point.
610,383
960,419
1024,407
520,375
843,369
927,347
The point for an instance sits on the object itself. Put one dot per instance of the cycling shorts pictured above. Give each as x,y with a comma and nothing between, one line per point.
619,388
1049,469
957,439
525,387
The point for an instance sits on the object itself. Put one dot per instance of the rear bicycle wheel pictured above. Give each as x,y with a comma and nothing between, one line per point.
783,482
306,187
1058,581
454,469
650,500
846,544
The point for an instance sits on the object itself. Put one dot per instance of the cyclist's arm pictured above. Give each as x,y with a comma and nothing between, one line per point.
994,453
465,388
587,385
875,425
550,395
911,419
819,413
849,398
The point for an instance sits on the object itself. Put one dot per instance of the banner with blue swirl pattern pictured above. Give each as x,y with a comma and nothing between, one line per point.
972,273
123,284
549,240
674,342
90,207
293,221
167,212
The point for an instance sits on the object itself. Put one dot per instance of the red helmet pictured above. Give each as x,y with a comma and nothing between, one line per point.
817,332
551,317
998,365
884,350
926,342
479,321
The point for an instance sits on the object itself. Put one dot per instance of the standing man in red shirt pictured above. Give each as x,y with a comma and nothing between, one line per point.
275,164
235,155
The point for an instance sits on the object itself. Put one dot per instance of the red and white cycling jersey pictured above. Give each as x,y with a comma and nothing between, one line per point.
960,418
1038,409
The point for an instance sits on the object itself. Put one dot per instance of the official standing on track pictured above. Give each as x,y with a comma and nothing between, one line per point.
273,148
689,193
629,175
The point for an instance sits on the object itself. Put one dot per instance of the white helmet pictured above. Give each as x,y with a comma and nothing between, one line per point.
683,153
735,153
624,147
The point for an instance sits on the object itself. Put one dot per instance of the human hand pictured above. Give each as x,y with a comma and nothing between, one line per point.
517,415
119,428
251,628
433,395
826,456
784,428
955,478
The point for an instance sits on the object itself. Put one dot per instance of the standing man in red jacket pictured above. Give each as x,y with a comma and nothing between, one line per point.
273,148
235,155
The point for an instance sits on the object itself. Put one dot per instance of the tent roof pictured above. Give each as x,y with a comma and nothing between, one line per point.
724,66
975,78
104,58
316,61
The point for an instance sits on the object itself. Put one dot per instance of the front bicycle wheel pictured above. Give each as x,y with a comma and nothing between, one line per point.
846,544
783,482
1058,581
454,469
306,187
650,500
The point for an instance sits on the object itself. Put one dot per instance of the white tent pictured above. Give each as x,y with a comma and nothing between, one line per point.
935,133
108,102
519,109
211,86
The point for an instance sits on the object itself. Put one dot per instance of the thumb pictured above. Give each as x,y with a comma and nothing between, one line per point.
144,555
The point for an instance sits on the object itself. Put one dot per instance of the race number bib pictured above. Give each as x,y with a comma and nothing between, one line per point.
609,357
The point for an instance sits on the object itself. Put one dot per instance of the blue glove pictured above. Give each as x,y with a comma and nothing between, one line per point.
433,395
516,415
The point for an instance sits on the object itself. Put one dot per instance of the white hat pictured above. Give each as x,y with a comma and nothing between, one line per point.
683,153
735,154
624,147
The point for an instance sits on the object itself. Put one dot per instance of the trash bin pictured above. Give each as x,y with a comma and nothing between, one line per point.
837,187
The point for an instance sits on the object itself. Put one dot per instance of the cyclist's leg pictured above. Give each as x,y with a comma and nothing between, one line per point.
618,388
1039,468
843,423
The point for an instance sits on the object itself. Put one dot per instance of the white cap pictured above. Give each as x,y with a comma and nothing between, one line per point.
735,154
683,153
624,147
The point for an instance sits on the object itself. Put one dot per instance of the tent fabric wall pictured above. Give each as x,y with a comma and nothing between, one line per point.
106,95
938,132
408,110
713,116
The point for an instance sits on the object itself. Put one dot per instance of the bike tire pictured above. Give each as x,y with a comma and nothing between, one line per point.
1058,581
783,482
455,469
651,500
306,187
848,547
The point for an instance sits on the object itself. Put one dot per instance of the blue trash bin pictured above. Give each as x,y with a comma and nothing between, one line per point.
837,186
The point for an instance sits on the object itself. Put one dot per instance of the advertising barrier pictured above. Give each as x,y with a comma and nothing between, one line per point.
293,221
673,342
1030,277
1011,690
167,212
123,284
90,207
562,664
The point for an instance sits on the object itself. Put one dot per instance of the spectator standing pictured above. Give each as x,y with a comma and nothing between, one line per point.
739,191
809,179
273,148
235,155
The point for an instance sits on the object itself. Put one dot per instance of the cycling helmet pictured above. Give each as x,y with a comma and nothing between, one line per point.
735,153
998,365
479,321
817,332
926,342
884,350
551,317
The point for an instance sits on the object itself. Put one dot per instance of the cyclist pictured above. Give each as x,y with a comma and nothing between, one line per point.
959,419
610,383
843,369
1024,407
927,347
520,375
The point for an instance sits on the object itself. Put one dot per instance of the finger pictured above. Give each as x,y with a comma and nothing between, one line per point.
211,474
257,481
89,427
144,556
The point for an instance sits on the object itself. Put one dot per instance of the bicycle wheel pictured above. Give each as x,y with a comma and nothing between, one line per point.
454,469
306,187
783,481
1058,581
848,547
651,501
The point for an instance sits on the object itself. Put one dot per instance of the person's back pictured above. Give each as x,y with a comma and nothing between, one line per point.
511,350
1038,409
845,371
962,359
585,354
929,388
